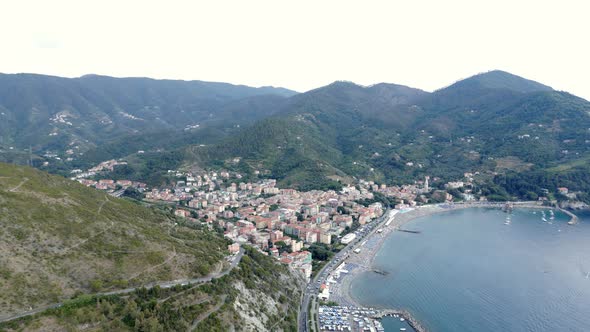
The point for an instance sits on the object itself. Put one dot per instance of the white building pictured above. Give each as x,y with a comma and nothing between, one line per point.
348,238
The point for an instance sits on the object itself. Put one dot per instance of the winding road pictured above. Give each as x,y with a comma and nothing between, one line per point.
165,284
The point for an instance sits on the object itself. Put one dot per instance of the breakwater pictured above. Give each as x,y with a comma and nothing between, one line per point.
574,218
408,231
414,324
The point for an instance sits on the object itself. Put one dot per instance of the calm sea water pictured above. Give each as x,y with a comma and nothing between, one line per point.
467,271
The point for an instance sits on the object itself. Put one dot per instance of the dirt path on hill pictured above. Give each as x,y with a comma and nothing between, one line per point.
151,268
19,185
208,313
88,239
106,199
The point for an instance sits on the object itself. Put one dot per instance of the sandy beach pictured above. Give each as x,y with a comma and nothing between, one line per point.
363,261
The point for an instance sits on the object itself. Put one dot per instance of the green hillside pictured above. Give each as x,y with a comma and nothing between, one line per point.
258,295
54,114
59,238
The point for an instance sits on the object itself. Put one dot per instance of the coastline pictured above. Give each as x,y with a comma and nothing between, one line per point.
364,261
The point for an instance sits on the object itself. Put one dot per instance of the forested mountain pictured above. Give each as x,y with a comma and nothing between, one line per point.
391,133
498,79
55,113
319,133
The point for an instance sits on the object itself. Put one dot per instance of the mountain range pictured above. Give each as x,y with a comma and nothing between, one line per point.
393,134
495,122
55,113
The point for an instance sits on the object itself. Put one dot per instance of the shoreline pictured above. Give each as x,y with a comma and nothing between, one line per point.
364,261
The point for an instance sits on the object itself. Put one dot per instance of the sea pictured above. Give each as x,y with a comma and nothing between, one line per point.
471,270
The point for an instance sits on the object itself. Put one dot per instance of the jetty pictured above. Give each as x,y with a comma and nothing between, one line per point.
384,273
414,324
408,231
574,218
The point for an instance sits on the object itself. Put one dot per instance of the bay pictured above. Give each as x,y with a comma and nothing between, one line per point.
468,271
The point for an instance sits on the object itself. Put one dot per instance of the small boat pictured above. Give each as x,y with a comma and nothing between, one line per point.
402,329
402,319
544,219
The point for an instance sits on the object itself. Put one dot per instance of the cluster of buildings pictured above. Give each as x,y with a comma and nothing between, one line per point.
105,184
280,222
108,184
410,195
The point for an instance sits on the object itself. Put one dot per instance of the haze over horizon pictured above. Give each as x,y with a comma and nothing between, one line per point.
303,45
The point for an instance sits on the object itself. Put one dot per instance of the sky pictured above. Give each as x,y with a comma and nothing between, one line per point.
301,44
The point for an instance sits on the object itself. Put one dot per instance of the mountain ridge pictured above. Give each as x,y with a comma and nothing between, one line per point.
377,138
499,79
50,113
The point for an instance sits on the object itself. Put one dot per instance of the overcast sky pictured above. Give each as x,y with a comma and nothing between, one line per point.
301,44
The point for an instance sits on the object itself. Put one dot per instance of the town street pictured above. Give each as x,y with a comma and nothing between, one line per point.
312,289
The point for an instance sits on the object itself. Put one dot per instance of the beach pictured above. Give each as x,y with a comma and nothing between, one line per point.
363,261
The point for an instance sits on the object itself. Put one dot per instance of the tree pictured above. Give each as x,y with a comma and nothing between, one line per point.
131,192
320,252
282,246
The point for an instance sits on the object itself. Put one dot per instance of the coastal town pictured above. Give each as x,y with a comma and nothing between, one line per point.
280,222
293,226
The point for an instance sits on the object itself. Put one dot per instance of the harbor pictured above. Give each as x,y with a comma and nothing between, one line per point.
403,315
359,319
509,206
